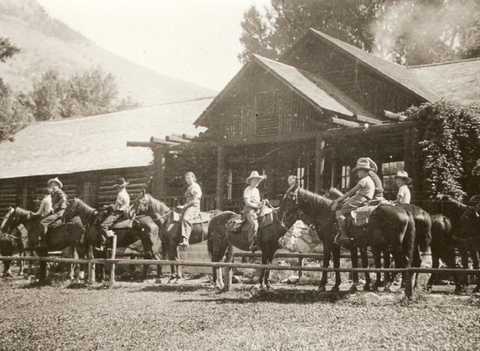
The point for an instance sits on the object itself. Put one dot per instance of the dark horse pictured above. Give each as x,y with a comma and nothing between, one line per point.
389,227
10,244
465,233
143,228
221,242
58,238
168,222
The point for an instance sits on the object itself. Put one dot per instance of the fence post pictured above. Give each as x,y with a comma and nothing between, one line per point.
301,262
114,251
408,284
91,272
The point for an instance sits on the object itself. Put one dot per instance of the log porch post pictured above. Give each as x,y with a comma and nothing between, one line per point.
158,188
220,177
319,163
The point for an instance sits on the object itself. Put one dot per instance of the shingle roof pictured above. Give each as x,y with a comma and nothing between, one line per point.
455,81
96,142
397,73
314,88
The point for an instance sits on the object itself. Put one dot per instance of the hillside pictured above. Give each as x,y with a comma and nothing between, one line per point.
47,43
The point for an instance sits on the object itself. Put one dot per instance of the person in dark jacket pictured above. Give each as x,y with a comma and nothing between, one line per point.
59,204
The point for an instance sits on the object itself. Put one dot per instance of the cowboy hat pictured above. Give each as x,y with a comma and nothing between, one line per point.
403,175
121,182
362,163
372,164
254,175
55,180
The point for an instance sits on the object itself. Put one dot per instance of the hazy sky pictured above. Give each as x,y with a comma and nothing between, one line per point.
194,40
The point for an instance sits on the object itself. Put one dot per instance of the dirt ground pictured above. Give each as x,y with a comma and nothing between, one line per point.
192,315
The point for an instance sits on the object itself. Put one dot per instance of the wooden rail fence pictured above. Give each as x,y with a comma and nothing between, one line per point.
121,261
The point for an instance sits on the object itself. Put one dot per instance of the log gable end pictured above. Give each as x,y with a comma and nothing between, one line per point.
259,105
366,86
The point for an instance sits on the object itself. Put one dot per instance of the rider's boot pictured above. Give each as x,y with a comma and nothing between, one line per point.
342,237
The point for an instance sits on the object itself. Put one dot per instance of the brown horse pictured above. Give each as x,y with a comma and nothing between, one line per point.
390,227
221,242
10,244
143,228
170,227
443,245
57,239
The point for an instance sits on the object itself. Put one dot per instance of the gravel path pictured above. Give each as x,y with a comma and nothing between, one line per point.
192,316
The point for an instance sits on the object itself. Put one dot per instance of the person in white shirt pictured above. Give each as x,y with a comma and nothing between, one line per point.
403,196
120,207
46,204
251,195
191,209
356,197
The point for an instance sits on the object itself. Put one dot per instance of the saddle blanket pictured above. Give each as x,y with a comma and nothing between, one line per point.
202,217
123,224
236,223
361,215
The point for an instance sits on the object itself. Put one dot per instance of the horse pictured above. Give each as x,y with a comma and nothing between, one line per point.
442,246
56,239
220,243
389,227
170,227
10,244
143,227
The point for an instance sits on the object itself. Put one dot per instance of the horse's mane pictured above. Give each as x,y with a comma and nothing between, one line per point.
334,193
313,204
157,205
454,202
22,214
85,208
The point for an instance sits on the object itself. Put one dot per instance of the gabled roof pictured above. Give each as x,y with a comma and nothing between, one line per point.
396,73
316,90
95,143
457,81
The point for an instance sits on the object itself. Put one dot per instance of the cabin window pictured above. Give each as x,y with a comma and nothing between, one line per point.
266,122
345,177
389,170
229,185
301,176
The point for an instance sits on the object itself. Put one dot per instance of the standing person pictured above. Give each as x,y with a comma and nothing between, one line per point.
403,196
358,195
251,195
378,194
191,208
59,204
46,204
292,183
120,207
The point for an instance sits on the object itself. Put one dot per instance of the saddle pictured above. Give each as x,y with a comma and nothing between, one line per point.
202,217
57,224
122,224
239,223
361,216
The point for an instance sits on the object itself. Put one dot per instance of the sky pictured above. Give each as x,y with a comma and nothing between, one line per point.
193,40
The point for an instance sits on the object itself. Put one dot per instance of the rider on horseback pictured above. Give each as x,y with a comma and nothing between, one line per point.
403,195
191,208
120,207
46,204
357,196
251,195
59,204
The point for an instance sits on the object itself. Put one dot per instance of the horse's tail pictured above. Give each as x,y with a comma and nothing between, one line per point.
216,224
424,233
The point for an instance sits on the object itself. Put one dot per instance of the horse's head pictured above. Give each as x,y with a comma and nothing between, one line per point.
71,210
289,210
11,221
140,204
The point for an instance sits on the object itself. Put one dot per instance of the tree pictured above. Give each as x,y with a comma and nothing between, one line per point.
409,32
285,21
48,95
7,49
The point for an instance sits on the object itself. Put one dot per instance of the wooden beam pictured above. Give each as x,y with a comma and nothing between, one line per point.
161,141
188,136
394,116
319,163
140,144
366,119
344,122
176,139
220,177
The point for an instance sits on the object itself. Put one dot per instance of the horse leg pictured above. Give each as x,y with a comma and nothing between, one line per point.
389,278
377,256
364,256
229,258
473,255
463,280
354,259
434,276
42,270
336,264
326,261
21,264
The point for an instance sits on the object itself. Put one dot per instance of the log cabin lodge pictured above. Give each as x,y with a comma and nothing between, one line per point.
312,113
